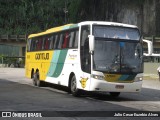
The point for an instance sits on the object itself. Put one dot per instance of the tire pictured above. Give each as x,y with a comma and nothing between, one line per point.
32,74
114,94
36,81
73,87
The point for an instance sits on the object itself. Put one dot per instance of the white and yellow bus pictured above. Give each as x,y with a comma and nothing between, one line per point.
89,56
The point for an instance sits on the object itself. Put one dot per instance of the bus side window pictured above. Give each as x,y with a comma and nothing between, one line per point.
37,41
33,45
71,41
52,40
29,45
47,42
39,45
36,46
65,40
60,41
43,43
56,42
76,40
31,48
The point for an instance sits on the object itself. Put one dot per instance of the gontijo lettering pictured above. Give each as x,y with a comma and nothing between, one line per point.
42,56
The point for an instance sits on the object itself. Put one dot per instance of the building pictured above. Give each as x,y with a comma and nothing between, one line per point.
12,47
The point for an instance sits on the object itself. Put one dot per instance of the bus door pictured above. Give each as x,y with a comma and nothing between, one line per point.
85,58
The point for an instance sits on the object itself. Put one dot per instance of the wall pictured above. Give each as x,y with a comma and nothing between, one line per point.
151,68
143,13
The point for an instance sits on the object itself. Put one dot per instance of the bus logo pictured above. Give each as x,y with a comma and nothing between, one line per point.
42,56
83,82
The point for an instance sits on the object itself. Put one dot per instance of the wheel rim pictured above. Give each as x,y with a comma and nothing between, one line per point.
73,85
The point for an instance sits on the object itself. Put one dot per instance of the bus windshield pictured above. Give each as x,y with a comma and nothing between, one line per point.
117,57
116,32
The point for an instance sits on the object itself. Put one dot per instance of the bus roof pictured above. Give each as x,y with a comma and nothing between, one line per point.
68,26
55,29
106,23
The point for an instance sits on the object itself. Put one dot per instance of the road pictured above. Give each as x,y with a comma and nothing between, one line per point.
18,94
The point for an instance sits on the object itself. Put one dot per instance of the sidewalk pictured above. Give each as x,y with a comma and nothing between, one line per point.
15,75
151,81
152,84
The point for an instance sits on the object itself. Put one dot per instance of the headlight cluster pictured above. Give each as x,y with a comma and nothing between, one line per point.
99,77
137,79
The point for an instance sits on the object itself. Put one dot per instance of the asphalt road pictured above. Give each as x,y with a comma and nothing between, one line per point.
18,94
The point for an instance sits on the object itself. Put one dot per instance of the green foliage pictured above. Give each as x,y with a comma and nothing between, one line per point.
29,16
73,9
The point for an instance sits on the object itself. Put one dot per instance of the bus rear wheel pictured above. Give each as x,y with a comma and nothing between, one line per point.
114,94
36,81
73,87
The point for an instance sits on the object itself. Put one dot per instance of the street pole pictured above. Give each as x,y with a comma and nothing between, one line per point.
65,11
2,60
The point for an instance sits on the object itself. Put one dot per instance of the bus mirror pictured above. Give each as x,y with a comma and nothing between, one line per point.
149,46
91,43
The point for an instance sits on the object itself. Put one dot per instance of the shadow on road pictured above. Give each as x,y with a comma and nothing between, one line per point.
146,94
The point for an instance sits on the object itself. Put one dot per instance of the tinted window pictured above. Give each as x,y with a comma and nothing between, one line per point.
52,40
71,41
39,44
84,50
33,45
76,40
46,43
66,40
116,32
29,44
56,41
60,41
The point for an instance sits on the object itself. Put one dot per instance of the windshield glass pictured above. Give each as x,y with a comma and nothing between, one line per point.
116,32
119,57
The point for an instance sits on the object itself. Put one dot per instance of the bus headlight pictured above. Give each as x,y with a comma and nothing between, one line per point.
137,79
99,77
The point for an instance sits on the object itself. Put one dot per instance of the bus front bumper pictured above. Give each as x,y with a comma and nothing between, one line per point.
104,86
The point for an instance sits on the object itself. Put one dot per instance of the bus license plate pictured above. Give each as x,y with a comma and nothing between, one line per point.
119,86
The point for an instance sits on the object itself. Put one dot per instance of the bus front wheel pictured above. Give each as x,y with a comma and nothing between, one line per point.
73,86
114,94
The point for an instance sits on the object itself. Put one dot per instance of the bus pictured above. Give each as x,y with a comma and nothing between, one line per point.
88,56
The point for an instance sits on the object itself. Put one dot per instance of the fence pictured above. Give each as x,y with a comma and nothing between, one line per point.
153,38
13,37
